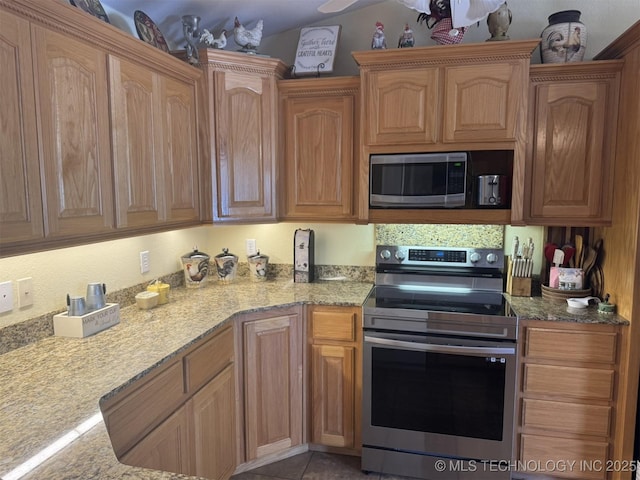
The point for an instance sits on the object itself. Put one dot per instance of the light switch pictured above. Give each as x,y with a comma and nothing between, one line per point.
251,246
6,297
25,292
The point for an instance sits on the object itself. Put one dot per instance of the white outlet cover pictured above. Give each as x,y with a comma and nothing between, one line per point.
25,292
6,297
251,246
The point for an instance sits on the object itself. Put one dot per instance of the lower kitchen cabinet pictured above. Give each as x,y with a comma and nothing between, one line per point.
181,418
165,448
335,337
567,396
272,356
212,415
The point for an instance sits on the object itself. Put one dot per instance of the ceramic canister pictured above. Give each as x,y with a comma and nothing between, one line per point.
196,267
258,266
564,39
162,289
226,265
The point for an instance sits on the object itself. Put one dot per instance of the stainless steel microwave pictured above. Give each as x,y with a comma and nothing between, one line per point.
418,180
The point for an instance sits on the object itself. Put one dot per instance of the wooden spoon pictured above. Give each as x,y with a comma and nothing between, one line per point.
578,255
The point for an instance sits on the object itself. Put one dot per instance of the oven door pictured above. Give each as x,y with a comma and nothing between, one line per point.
440,396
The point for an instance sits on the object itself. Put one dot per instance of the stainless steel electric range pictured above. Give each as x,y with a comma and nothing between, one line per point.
439,371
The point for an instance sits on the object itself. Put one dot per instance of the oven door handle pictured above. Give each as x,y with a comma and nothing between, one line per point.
453,349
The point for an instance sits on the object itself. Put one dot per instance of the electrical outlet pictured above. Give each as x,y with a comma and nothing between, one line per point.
6,297
251,246
25,292
145,262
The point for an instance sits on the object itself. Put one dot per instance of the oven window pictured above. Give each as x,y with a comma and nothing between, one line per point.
409,179
438,393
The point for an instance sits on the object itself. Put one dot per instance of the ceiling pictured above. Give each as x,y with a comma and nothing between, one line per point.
278,15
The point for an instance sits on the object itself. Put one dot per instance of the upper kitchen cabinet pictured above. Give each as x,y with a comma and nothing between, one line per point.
243,130
155,150
457,94
319,119
570,158
445,99
98,131
20,197
73,110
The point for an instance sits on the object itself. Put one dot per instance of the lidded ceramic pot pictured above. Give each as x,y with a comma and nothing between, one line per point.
195,265
258,266
564,39
226,266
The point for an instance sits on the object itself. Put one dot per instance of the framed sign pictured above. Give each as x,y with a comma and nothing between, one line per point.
316,50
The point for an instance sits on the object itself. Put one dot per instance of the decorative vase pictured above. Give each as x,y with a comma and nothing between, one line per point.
564,39
191,31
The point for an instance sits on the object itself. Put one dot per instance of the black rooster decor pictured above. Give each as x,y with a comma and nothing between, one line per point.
439,9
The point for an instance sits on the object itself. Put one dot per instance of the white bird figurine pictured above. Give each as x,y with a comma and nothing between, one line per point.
249,40
208,39
498,23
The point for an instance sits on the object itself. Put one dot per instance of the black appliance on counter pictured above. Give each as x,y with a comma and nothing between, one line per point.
439,369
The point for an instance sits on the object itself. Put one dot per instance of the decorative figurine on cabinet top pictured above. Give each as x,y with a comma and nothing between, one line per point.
498,23
191,30
248,39
406,39
379,41
210,41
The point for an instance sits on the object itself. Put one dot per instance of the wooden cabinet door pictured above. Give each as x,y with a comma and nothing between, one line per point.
273,394
332,392
137,144
73,101
181,174
401,107
320,139
213,427
245,135
335,335
483,103
166,448
573,147
20,194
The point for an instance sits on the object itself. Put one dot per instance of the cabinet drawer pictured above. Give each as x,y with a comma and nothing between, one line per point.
573,382
144,407
334,325
589,457
571,345
567,417
209,359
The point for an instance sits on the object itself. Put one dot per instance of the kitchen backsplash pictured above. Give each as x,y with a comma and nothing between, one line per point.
478,236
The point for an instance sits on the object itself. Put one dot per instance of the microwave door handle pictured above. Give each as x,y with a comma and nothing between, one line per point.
452,349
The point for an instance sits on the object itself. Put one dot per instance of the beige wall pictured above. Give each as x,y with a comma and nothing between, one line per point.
604,20
116,263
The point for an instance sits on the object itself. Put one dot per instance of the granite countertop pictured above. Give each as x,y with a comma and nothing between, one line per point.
50,387
539,308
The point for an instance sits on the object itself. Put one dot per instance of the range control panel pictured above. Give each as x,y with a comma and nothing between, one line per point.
440,256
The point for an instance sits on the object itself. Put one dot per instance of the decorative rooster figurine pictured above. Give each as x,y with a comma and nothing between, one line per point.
379,41
498,23
208,39
249,40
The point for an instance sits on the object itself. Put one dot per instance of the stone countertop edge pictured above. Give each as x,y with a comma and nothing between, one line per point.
539,308
51,386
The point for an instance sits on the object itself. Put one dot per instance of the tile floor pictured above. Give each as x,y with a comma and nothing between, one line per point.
313,466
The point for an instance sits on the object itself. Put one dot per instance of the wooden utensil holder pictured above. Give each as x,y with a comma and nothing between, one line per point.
517,286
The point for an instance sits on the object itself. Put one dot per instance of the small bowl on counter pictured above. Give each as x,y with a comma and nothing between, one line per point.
147,300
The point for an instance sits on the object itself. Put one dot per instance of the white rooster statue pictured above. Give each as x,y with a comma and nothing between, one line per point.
209,40
249,40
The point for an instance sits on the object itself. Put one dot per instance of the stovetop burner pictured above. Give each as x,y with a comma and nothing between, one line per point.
399,297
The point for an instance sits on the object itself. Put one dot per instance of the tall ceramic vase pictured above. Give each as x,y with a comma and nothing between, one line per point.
564,39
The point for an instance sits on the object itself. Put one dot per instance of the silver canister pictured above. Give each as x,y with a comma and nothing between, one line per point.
258,267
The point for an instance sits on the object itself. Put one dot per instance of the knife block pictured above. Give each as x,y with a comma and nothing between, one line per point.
517,286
